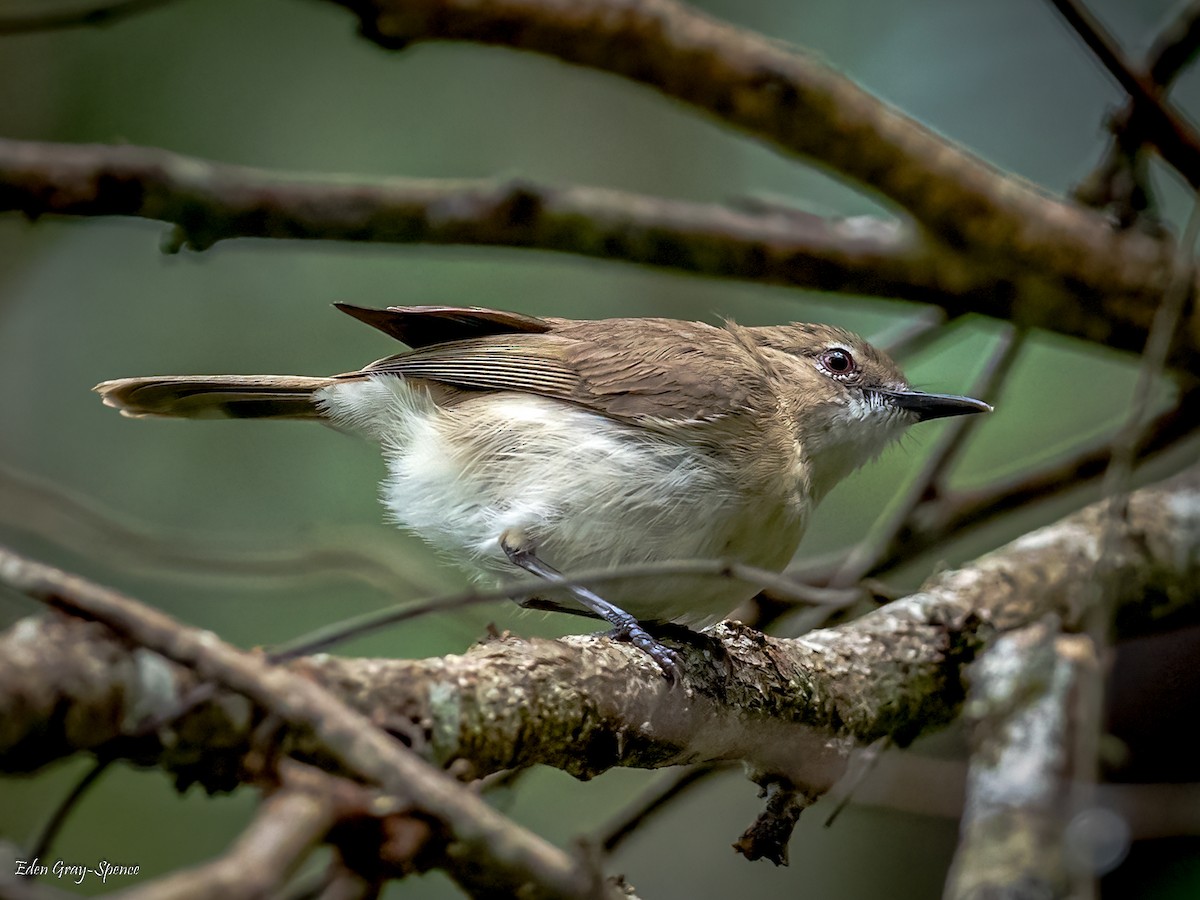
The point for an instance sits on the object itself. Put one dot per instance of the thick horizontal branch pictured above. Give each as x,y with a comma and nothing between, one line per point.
585,704
210,201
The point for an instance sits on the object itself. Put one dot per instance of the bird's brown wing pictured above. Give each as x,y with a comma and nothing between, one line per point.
631,369
424,326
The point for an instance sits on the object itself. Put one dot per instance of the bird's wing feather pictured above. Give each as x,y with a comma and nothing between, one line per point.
423,326
631,369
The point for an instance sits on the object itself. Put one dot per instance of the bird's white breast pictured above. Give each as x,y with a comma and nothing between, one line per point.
589,491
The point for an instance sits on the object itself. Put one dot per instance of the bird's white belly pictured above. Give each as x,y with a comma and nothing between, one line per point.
588,491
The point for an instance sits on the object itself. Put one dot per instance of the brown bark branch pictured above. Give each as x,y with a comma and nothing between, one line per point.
213,201
1120,182
288,825
514,857
1174,138
209,202
804,108
951,513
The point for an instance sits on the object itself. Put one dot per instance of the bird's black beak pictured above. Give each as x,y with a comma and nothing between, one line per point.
935,406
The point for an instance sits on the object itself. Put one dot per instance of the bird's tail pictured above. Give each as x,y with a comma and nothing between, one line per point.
215,396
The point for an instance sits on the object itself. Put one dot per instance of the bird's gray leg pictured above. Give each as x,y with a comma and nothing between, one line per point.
519,549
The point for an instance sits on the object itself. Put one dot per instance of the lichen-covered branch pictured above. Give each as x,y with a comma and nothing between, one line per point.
585,704
481,838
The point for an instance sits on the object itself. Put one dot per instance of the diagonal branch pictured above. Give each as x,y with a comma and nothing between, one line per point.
1174,138
1120,181
513,856
804,108
940,517
287,827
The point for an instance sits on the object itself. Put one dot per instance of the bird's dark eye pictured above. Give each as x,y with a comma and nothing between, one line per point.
838,361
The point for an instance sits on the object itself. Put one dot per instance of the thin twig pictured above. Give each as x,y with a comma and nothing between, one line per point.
1174,138
959,510
39,506
1175,46
41,847
1134,432
779,586
613,834
75,16
865,556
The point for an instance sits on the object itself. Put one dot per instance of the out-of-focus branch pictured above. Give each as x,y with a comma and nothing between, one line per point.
1174,138
927,484
804,108
209,202
34,505
951,513
628,821
288,825
212,201
1120,182
74,15
1032,694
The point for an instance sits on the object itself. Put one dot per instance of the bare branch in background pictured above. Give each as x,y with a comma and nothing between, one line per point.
955,511
35,505
929,482
643,809
211,201
804,108
1120,183
73,15
1175,139
1032,694
286,828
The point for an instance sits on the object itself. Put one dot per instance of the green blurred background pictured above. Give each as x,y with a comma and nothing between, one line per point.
288,85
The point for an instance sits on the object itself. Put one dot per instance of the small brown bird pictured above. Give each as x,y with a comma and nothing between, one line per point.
561,445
